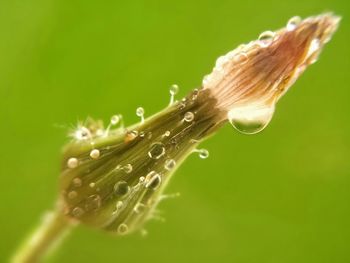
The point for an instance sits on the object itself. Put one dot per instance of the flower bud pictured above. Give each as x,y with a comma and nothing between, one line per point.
112,179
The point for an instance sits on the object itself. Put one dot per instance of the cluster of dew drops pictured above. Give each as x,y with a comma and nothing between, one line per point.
156,151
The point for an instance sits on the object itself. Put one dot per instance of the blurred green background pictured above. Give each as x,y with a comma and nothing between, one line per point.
280,196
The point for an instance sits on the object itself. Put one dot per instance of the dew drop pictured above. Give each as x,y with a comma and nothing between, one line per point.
293,23
121,188
241,57
93,202
169,164
77,182
131,135
127,168
92,185
202,153
267,35
123,229
166,134
157,150
72,162
251,119
77,211
153,180
174,89
189,116
119,205
82,133
140,208
140,112
94,154
72,194
115,119
195,94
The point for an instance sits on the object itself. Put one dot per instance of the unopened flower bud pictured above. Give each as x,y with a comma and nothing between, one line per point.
113,179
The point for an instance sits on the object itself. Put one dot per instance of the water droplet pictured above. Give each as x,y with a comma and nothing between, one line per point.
241,57
77,211
293,23
251,119
127,168
82,133
92,185
119,205
267,35
72,162
140,112
123,229
157,150
77,182
115,119
140,208
166,134
189,116
131,135
169,164
153,180
195,94
174,89
93,202
266,38
203,153
121,188
141,179
95,153
72,194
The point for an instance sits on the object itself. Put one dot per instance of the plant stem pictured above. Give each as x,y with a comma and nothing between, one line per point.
44,239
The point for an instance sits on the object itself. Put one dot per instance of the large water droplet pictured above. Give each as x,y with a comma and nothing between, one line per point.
293,23
251,119
93,202
157,150
121,188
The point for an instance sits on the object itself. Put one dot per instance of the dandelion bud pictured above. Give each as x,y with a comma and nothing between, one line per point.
112,179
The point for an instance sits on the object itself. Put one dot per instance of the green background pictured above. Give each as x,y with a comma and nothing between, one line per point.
280,196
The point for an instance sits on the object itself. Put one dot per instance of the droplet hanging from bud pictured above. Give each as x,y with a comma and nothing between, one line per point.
251,119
